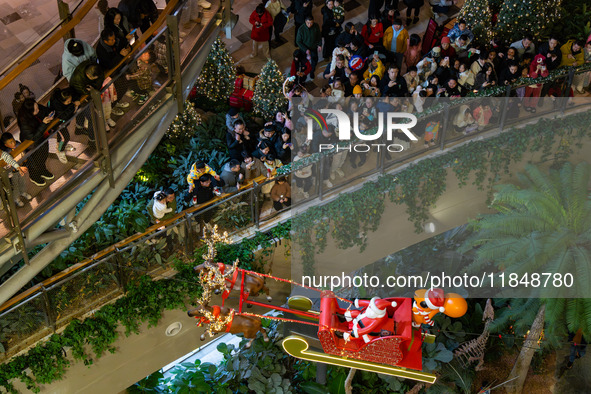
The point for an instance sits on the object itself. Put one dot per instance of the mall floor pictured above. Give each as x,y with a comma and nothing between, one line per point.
240,44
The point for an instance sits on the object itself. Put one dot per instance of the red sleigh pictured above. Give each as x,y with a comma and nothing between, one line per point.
402,349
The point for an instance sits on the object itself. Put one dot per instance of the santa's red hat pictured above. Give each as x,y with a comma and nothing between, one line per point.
435,299
378,305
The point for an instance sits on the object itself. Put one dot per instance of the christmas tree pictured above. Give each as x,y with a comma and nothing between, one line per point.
478,16
519,17
268,93
184,125
218,75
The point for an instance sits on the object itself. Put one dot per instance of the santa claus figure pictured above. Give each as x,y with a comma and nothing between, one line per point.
426,305
369,320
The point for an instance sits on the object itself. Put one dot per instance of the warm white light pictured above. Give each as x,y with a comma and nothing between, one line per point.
429,227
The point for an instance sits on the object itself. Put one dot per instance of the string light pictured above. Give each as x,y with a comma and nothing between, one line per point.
519,17
184,124
268,95
478,16
214,323
217,77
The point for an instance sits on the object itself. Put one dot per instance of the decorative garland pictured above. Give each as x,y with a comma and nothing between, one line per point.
352,215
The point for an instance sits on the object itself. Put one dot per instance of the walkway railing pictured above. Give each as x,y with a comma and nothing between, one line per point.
98,146
102,277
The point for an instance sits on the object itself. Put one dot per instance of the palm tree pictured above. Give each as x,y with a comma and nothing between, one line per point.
544,226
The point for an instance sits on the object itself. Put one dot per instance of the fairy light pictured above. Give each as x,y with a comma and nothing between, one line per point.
212,277
518,17
216,80
268,95
214,323
185,123
478,16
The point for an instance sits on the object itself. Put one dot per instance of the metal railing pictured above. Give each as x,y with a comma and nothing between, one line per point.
94,143
54,302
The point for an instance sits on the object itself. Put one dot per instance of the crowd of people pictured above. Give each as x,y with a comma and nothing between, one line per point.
83,68
381,60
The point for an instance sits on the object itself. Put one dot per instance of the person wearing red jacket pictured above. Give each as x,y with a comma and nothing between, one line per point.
537,69
261,21
372,32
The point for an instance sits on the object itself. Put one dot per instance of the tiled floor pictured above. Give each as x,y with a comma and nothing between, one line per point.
240,45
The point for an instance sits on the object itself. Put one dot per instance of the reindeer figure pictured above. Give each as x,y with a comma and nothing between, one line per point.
253,284
219,275
222,319
474,350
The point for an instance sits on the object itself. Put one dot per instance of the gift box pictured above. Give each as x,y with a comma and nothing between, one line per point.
243,92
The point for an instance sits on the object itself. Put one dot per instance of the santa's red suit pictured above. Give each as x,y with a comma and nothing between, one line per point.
368,320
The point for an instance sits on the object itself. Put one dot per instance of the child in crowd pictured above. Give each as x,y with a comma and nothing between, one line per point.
143,78
338,90
16,172
197,169
108,97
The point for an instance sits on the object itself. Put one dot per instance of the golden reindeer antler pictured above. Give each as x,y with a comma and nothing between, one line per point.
215,323
212,278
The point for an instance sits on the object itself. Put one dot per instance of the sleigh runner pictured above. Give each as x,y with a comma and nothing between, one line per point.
379,335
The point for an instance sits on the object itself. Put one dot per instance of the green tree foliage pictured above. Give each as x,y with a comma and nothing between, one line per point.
544,226
478,16
218,75
268,93
518,17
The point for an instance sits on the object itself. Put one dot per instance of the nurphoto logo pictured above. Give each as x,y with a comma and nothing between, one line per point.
388,121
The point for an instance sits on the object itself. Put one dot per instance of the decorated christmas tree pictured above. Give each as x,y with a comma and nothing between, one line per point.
478,16
184,125
268,93
519,17
217,77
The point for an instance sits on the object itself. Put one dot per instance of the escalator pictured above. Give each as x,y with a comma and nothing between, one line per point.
105,159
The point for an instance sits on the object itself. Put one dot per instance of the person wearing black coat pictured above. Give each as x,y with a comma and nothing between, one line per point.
33,120
283,146
110,50
358,48
413,5
375,7
205,189
300,10
140,13
87,75
236,140
62,103
510,74
393,84
551,50
263,149
347,36
331,28
118,23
